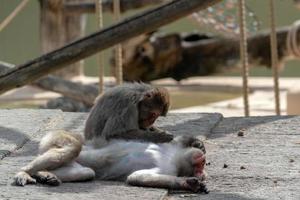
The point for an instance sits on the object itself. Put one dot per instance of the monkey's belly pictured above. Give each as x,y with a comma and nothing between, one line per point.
136,156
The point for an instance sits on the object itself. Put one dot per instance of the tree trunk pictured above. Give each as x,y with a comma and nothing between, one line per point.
58,28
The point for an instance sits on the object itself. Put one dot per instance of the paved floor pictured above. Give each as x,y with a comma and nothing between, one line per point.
269,152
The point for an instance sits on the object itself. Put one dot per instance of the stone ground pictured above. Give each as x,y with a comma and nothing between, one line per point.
269,151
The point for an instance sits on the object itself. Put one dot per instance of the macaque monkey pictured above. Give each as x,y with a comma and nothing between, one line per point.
128,112
175,165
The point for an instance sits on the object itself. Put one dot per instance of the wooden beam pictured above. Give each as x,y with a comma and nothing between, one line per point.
126,5
83,93
82,48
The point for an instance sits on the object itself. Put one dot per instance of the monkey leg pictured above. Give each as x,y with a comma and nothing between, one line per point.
57,150
68,173
150,178
51,159
74,172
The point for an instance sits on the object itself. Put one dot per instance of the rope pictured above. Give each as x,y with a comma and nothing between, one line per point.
291,40
13,14
100,54
244,54
274,57
118,48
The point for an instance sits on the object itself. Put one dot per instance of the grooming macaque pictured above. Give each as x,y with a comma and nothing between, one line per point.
128,112
169,165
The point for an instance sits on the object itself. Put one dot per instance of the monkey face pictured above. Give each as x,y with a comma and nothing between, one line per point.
192,164
153,104
147,118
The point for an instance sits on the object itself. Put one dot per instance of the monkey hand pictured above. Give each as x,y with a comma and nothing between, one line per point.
22,178
195,185
162,136
165,136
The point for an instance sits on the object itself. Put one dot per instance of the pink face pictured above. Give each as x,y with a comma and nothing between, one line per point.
198,161
153,115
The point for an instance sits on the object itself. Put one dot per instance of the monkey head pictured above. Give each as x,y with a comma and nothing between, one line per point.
153,103
192,163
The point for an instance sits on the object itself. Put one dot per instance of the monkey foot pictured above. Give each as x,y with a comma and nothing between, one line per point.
22,178
195,185
47,178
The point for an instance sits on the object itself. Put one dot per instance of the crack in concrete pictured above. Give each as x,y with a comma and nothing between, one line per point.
211,130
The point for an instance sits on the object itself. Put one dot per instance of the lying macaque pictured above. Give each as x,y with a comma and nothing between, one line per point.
178,165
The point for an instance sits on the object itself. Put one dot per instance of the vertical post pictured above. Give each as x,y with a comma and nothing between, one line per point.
274,57
118,47
244,55
13,14
99,13
58,28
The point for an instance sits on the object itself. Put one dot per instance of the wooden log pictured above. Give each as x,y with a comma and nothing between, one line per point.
125,29
57,29
180,57
77,91
84,7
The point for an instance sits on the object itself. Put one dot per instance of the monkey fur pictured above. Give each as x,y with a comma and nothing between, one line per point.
173,165
128,112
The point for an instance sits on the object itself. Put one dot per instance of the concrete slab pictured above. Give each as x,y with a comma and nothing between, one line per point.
22,129
269,152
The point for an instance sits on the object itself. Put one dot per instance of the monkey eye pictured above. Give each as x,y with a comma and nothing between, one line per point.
147,95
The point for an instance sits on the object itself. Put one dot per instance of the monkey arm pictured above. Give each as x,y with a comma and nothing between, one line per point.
158,130
150,178
144,135
189,141
74,172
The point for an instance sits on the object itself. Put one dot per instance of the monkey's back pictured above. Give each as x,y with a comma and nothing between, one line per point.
114,104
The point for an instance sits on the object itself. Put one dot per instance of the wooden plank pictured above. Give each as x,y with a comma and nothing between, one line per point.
82,48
